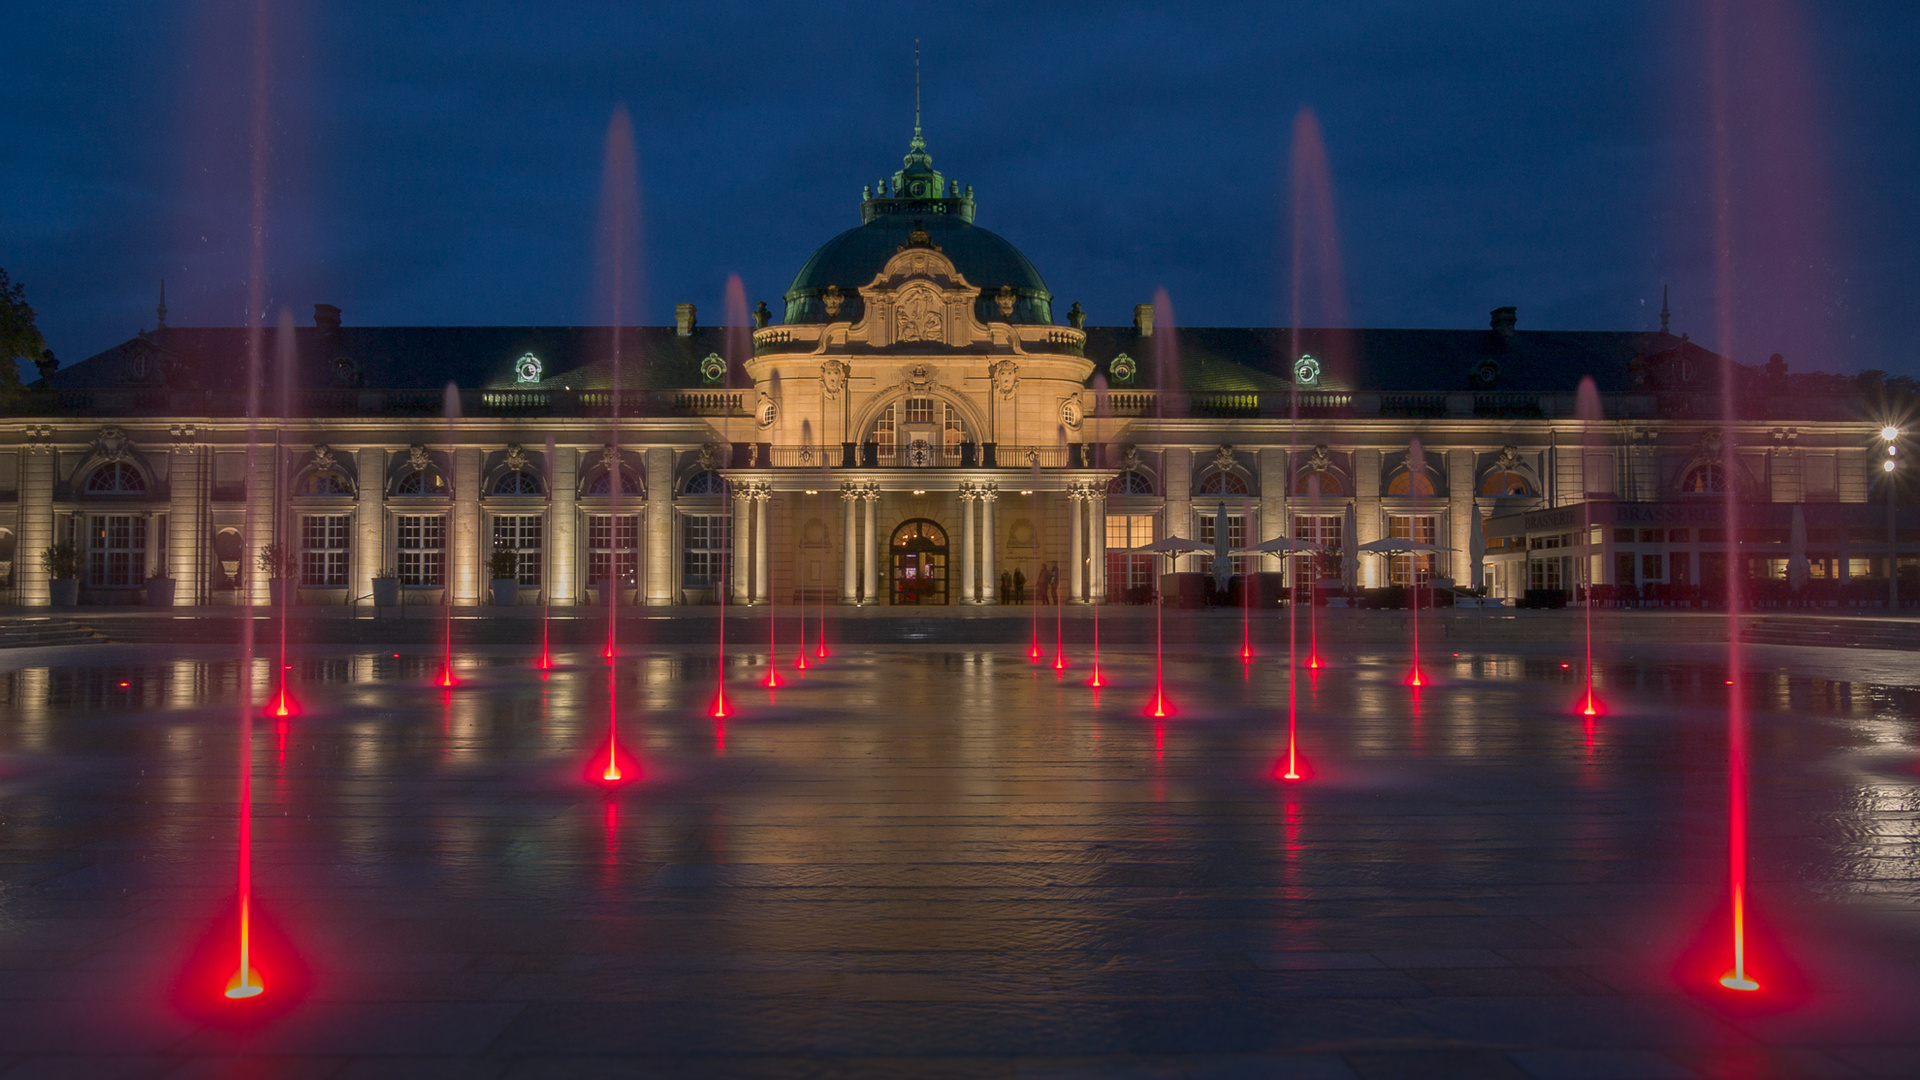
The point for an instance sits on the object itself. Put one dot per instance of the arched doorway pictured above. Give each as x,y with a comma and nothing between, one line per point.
919,563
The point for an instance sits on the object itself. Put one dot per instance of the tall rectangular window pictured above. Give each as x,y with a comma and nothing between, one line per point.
117,549
611,549
1322,529
324,540
1129,575
423,549
520,534
1236,538
887,436
952,433
1419,528
705,543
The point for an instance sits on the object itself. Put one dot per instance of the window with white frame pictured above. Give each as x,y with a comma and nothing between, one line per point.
422,546
1403,568
1236,538
1322,529
886,436
953,433
521,534
324,550
611,549
116,549
706,541
1128,571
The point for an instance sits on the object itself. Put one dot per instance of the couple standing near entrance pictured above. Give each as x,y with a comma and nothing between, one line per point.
1013,586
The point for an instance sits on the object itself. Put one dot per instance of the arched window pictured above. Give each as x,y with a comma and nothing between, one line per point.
325,482
1313,482
421,482
516,482
1418,484
116,478
1709,478
603,484
706,483
1130,483
1504,482
1223,483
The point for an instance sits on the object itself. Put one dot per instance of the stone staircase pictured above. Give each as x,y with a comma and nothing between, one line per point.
36,633
1837,633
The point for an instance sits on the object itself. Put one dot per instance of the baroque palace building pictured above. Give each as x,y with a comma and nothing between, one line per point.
915,429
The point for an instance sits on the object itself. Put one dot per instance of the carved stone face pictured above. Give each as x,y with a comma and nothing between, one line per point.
833,377
1006,377
832,300
1005,301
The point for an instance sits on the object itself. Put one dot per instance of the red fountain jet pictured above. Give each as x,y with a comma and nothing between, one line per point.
1278,546
1173,547
1398,546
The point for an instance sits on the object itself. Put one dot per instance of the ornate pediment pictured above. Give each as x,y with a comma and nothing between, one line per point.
919,297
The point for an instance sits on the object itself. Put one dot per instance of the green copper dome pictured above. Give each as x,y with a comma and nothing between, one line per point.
920,198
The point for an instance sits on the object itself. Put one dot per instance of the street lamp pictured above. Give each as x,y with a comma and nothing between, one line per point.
1890,435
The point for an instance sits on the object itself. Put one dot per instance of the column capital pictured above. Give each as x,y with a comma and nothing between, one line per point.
849,491
760,490
870,491
988,492
1080,490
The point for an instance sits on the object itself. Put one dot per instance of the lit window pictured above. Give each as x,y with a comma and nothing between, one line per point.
609,549
520,534
1223,483
324,550
423,549
117,549
325,482
421,482
1419,528
706,542
1707,479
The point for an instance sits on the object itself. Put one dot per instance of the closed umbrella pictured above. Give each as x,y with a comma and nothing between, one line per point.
1477,549
1349,535
1797,569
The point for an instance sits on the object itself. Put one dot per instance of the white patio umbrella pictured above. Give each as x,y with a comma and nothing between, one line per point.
1392,546
1279,545
1797,568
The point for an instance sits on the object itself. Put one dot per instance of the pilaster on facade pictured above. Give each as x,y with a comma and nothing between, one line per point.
658,544
987,494
850,544
36,517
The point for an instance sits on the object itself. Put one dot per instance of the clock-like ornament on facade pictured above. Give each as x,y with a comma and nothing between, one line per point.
528,369
1306,371
713,369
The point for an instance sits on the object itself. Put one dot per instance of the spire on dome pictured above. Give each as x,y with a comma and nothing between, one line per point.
1665,315
918,189
161,311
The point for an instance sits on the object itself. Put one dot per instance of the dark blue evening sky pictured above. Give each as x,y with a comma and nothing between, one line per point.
440,163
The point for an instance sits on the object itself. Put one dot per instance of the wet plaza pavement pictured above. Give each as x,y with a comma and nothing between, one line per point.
942,861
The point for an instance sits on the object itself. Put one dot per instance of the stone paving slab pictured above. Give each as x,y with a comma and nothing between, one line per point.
929,862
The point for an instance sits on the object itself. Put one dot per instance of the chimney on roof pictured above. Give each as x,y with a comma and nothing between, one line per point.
1143,319
683,319
326,319
1504,320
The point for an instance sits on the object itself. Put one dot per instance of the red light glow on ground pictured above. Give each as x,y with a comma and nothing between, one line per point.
773,681
1096,681
721,708
1160,708
611,766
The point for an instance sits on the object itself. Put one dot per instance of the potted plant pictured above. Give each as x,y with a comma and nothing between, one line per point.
386,588
62,564
277,564
160,588
505,566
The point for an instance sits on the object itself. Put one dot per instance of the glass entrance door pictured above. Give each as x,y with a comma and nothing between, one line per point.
919,558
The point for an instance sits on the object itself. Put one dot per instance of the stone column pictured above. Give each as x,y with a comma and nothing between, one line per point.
870,578
1098,530
659,549
1463,515
369,521
1177,477
1273,503
966,544
742,539
36,517
262,496
988,494
762,544
1366,513
1076,523
850,537
563,530
464,536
